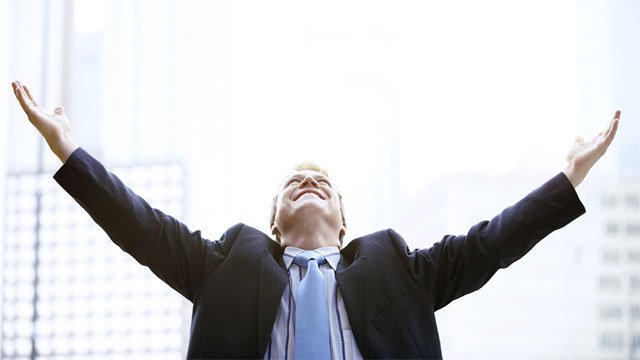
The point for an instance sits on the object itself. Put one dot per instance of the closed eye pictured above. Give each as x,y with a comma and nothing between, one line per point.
297,181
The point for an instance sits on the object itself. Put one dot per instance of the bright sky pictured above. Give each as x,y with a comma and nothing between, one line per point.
387,96
452,83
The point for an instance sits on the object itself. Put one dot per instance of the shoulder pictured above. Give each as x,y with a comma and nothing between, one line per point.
377,238
243,230
242,237
379,242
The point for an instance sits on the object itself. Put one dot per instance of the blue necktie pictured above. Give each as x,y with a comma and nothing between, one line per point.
312,315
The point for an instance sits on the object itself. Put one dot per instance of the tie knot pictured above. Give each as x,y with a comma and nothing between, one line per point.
303,258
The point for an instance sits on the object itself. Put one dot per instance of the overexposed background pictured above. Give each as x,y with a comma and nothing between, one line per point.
430,116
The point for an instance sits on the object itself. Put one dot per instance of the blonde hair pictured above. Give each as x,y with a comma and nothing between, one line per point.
308,165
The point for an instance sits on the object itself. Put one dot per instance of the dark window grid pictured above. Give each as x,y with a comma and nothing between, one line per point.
611,312
18,227
611,340
633,229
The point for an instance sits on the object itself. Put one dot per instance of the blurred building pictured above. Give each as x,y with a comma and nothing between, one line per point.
68,292
575,295
618,271
541,303
609,81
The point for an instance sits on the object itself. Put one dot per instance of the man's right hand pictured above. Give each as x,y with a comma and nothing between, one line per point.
54,127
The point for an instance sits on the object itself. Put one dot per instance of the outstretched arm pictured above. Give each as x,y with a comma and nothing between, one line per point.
584,154
177,255
54,127
458,265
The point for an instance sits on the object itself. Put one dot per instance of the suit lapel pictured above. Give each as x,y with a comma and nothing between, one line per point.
353,284
273,278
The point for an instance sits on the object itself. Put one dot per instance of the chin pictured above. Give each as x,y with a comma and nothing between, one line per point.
311,204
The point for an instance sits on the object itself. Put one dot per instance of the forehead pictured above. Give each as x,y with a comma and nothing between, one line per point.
305,173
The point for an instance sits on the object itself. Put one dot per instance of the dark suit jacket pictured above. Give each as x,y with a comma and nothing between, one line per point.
236,282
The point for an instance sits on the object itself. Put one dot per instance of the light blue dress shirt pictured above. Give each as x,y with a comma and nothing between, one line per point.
282,343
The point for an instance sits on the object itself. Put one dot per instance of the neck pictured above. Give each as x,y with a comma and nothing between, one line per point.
309,237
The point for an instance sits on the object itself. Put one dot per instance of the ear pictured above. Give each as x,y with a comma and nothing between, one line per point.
343,230
274,229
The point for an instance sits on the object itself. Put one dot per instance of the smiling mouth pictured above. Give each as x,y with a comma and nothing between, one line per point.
307,193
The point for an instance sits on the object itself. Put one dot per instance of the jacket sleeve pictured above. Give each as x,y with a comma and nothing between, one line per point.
174,253
458,265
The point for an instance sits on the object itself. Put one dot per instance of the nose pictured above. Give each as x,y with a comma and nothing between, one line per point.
309,180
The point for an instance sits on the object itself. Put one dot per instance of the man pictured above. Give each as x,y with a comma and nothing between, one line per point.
305,296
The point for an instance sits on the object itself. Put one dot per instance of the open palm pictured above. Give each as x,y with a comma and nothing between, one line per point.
50,125
583,154
54,127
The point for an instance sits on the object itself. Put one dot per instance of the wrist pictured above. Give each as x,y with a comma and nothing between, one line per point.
573,174
62,146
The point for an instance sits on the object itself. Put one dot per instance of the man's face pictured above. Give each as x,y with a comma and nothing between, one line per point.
305,196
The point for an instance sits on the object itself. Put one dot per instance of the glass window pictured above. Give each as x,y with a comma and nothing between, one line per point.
633,229
611,341
611,312
632,201
610,257
635,345
609,201
634,256
635,283
610,283
611,229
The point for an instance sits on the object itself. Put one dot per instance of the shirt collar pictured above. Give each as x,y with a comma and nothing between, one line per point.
331,253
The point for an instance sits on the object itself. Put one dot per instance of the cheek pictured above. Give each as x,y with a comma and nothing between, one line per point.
335,204
281,203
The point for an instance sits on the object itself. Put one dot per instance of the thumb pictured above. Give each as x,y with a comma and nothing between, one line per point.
59,110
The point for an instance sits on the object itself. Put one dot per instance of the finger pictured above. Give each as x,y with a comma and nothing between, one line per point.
612,134
14,86
579,139
24,102
18,89
30,96
616,118
59,110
